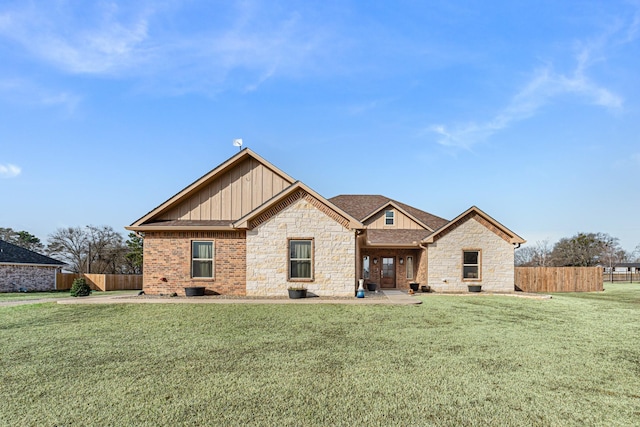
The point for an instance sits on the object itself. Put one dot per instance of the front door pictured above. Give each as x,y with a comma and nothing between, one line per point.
388,273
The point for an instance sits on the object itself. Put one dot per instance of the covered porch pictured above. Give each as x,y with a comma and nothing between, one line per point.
392,259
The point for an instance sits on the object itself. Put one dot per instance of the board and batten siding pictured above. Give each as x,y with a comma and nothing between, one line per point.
231,195
401,222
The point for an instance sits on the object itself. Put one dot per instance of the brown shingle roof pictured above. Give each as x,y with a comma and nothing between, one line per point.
396,237
362,206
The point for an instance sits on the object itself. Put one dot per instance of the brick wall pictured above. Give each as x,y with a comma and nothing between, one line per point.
31,278
445,259
167,262
334,252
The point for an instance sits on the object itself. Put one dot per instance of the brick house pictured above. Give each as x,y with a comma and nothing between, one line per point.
25,270
247,228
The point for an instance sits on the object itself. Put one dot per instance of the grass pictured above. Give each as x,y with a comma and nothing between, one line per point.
465,361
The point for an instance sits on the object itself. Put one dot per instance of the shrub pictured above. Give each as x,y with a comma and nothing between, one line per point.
79,288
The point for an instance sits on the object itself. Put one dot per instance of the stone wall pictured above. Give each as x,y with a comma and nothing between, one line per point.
334,253
445,259
31,278
167,262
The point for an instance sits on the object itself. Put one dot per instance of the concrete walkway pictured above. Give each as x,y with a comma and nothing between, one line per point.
383,297
388,297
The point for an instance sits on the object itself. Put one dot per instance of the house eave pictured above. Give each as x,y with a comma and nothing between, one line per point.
145,228
414,245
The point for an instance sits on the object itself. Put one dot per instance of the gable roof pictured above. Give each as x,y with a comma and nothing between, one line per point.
13,254
475,213
279,201
364,206
153,220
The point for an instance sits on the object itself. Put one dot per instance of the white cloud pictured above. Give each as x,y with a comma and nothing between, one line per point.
95,43
9,171
542,89
21,91
248,44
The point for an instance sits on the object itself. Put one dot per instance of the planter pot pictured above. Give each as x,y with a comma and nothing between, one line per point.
371,287
194,291
425,288
475,288
414,286
297,293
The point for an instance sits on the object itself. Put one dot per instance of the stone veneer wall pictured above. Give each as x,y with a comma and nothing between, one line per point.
167,255
30,277
334,253
445,259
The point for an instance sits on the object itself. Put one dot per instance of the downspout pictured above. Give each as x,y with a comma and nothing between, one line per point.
356,260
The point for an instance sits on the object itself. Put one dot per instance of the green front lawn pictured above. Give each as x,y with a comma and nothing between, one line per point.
480,360
25,296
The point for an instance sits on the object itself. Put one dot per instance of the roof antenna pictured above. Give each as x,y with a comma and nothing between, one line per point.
238,143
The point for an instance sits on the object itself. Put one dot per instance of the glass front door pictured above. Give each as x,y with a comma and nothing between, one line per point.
388,273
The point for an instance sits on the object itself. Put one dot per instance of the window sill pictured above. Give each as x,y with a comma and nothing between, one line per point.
300,280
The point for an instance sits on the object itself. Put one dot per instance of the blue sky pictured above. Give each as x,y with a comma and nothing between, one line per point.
528,110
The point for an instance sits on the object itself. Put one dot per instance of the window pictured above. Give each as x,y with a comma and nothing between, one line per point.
471,264
202,259
409,267
389,217
301,259
365,267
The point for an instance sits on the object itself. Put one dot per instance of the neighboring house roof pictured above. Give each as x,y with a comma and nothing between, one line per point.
475,213
13,254
363,207
627,264
395,238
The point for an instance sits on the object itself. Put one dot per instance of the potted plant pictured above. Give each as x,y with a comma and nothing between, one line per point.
296,292
194,291
474,288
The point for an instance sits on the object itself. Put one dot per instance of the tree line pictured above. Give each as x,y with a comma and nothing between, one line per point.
90,249
580,250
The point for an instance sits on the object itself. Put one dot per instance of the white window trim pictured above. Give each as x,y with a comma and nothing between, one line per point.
289,259
212,259
479,265
407,263
392,217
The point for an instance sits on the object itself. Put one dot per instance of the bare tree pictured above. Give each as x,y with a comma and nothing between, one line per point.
90,249
105,251
534,256
70,245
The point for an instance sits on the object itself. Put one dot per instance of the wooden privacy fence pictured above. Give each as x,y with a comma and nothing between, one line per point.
101,282
559,279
